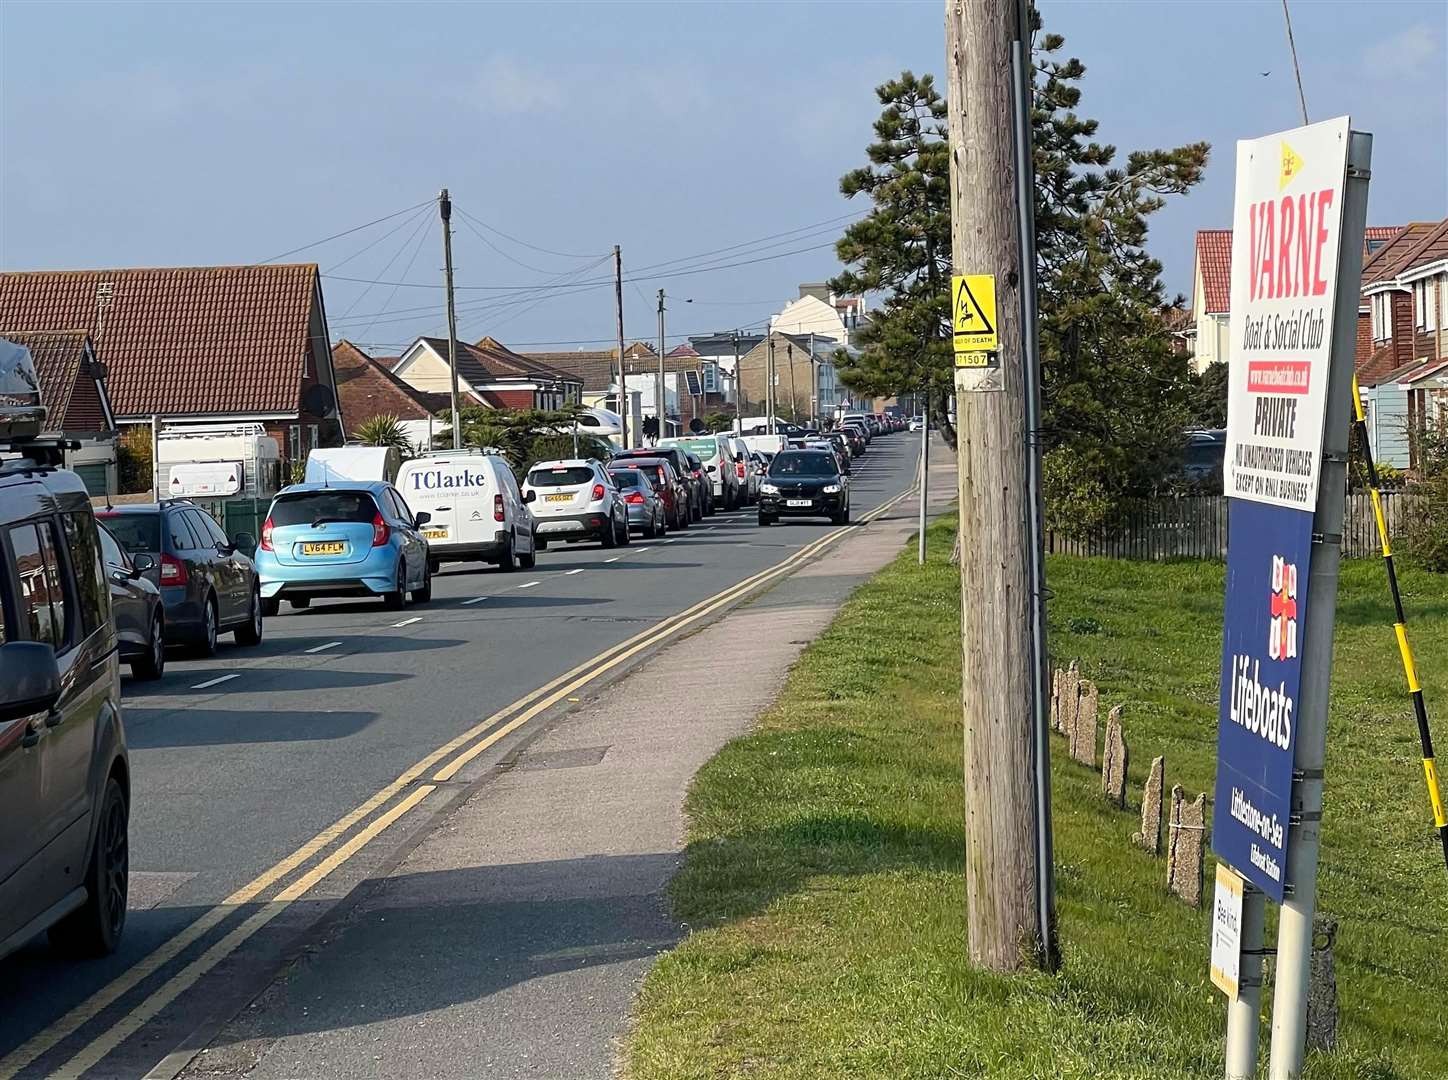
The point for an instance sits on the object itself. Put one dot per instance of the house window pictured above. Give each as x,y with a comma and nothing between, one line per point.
1423,314
1443,302
1382,321
294,442
312,437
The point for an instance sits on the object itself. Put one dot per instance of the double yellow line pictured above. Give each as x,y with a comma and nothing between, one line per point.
443,764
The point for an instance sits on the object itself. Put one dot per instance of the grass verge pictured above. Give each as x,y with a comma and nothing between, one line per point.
823,878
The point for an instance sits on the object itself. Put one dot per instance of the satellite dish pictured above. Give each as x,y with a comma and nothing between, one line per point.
697,426
319,400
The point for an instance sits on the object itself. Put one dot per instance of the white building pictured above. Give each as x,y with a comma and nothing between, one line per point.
819,311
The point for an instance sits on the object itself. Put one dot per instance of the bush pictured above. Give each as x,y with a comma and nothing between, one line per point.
1427,533
1078,504
134,467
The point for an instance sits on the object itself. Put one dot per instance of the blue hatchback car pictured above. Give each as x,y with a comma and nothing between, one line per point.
342,539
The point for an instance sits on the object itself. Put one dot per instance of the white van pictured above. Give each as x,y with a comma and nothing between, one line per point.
328,464
477,511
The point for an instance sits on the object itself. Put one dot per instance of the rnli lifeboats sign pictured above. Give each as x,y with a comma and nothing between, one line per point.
1286,233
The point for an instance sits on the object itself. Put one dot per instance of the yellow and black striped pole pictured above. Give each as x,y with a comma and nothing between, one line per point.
1415,690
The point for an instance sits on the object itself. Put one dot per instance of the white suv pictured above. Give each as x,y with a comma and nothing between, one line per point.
575,499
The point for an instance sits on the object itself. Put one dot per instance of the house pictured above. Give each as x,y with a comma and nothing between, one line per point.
489,374
820,311
1402,355
207,344
78,405
1207,332
367,388
805,383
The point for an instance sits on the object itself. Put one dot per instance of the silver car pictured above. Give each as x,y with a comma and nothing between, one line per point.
646,511
575,499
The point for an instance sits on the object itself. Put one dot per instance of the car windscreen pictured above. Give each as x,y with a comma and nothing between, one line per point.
136,533
802,463
318,507
561,476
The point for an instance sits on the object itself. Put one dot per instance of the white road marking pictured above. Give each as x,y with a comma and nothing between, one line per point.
323,648
641,550
529,584
575,570
216,681
474,600
409,622
614,559
668,541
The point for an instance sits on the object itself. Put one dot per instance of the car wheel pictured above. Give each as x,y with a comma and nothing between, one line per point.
396,600
95,927
842,518
433,566
539,544
153,665
609,536
424,594
206,643
250,633
625,537
530,560
651,530
509,560
765,519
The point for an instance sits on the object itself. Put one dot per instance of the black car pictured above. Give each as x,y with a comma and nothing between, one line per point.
804,483
136,606
207,582
701,492
65,781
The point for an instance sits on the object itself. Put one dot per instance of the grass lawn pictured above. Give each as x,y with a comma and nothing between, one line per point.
823,881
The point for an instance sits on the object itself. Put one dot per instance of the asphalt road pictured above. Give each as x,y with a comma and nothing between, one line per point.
264,763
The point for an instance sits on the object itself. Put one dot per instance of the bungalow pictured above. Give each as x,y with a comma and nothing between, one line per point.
210,344
489,374
367,388
78,405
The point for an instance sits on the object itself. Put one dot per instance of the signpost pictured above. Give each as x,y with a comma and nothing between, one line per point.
1301,201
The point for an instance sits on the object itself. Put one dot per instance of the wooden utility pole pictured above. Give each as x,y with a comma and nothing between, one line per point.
659,387
622,377
793,389
770,397
444,205
1002,867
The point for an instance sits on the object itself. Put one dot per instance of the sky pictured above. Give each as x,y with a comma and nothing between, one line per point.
693,135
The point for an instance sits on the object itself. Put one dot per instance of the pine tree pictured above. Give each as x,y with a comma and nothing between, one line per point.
1114,393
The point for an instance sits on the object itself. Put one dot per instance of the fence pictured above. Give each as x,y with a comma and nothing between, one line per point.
1195,527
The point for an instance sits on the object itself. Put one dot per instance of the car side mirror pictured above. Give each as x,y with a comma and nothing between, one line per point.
31,678
141,563
421,518
530,495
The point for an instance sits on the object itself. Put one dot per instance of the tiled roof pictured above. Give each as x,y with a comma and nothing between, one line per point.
490,362
1214,260
598,367
181,341
1429,370
1399,253
1432,249
69,388
366,387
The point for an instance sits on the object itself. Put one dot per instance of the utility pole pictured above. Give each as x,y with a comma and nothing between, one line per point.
814,384
738,390
1005,925
659,389
924,474
622,378
769,384
444,205
793,389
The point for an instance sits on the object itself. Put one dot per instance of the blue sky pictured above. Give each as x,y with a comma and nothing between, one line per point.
203,133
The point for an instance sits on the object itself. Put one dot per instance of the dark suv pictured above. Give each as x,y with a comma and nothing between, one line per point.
207,583
64,775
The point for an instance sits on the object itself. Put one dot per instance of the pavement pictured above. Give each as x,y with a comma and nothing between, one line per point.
447,828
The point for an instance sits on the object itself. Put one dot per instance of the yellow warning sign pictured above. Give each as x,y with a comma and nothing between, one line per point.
1291,166
973,315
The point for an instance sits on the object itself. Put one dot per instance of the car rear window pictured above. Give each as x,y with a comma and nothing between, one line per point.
311,507
561,476
137,533
707,449
627,477
802,463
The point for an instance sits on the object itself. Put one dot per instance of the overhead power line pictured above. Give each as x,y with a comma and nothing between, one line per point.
421,213
346,232
494,229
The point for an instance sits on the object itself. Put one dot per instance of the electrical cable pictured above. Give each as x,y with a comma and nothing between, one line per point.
524,243
416,234
517,262
346,232
390,232
1400,628
406,270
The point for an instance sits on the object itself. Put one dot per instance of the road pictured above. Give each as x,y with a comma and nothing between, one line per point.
269,781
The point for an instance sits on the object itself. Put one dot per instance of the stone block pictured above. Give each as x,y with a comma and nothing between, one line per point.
1083,731
1150,835
1113,761
1188,834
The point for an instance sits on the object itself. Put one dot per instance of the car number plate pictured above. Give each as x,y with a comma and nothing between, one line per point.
798,502
435,534
330,547
561,497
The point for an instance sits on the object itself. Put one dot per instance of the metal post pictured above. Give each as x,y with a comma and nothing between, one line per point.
924,481
738,390
622,378
444,205
769,395
1244,1015
1035,499
1294,925
659,389
814,385
156,455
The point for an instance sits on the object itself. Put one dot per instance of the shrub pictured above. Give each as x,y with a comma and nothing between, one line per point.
1427,532
134,465
1078,504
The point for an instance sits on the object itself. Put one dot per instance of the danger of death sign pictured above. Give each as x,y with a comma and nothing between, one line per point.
973,318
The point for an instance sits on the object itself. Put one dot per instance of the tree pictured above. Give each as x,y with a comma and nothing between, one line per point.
384,431
1114,394
1207,397
524,436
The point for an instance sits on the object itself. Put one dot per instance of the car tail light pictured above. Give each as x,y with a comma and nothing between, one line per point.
266,531
597,492
634,498
173,570
380,531
498,507
739,469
